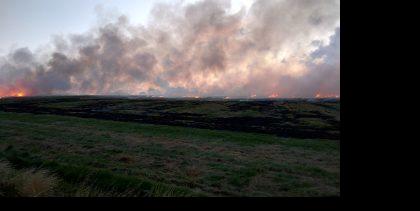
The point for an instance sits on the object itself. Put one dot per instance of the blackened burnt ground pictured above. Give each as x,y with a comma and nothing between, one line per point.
299,118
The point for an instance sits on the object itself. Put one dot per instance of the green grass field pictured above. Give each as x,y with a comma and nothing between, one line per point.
72,156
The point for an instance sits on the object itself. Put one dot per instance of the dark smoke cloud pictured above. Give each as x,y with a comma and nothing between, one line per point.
285,47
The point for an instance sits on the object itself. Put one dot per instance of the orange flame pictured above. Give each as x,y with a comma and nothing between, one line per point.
192,96
18,93
274,95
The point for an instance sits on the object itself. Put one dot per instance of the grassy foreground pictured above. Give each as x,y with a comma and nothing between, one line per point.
91,157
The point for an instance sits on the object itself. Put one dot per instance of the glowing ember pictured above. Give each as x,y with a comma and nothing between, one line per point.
274,95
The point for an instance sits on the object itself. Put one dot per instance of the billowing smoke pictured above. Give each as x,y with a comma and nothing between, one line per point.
284,48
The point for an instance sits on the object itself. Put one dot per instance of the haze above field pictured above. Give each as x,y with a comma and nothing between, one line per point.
258,49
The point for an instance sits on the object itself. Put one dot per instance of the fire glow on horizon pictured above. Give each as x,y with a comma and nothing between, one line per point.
196,49
319,95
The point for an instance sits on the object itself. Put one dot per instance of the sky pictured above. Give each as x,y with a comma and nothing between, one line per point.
172,48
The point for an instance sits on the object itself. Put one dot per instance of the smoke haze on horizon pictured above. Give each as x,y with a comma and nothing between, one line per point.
274,48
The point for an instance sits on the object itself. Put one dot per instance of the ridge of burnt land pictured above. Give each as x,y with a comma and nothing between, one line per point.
298,118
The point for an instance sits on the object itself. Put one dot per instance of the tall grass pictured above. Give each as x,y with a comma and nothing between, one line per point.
26,182
80,181
42,183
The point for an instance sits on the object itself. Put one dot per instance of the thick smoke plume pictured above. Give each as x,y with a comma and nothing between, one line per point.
277,48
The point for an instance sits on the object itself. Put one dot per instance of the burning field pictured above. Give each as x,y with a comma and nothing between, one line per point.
201,98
